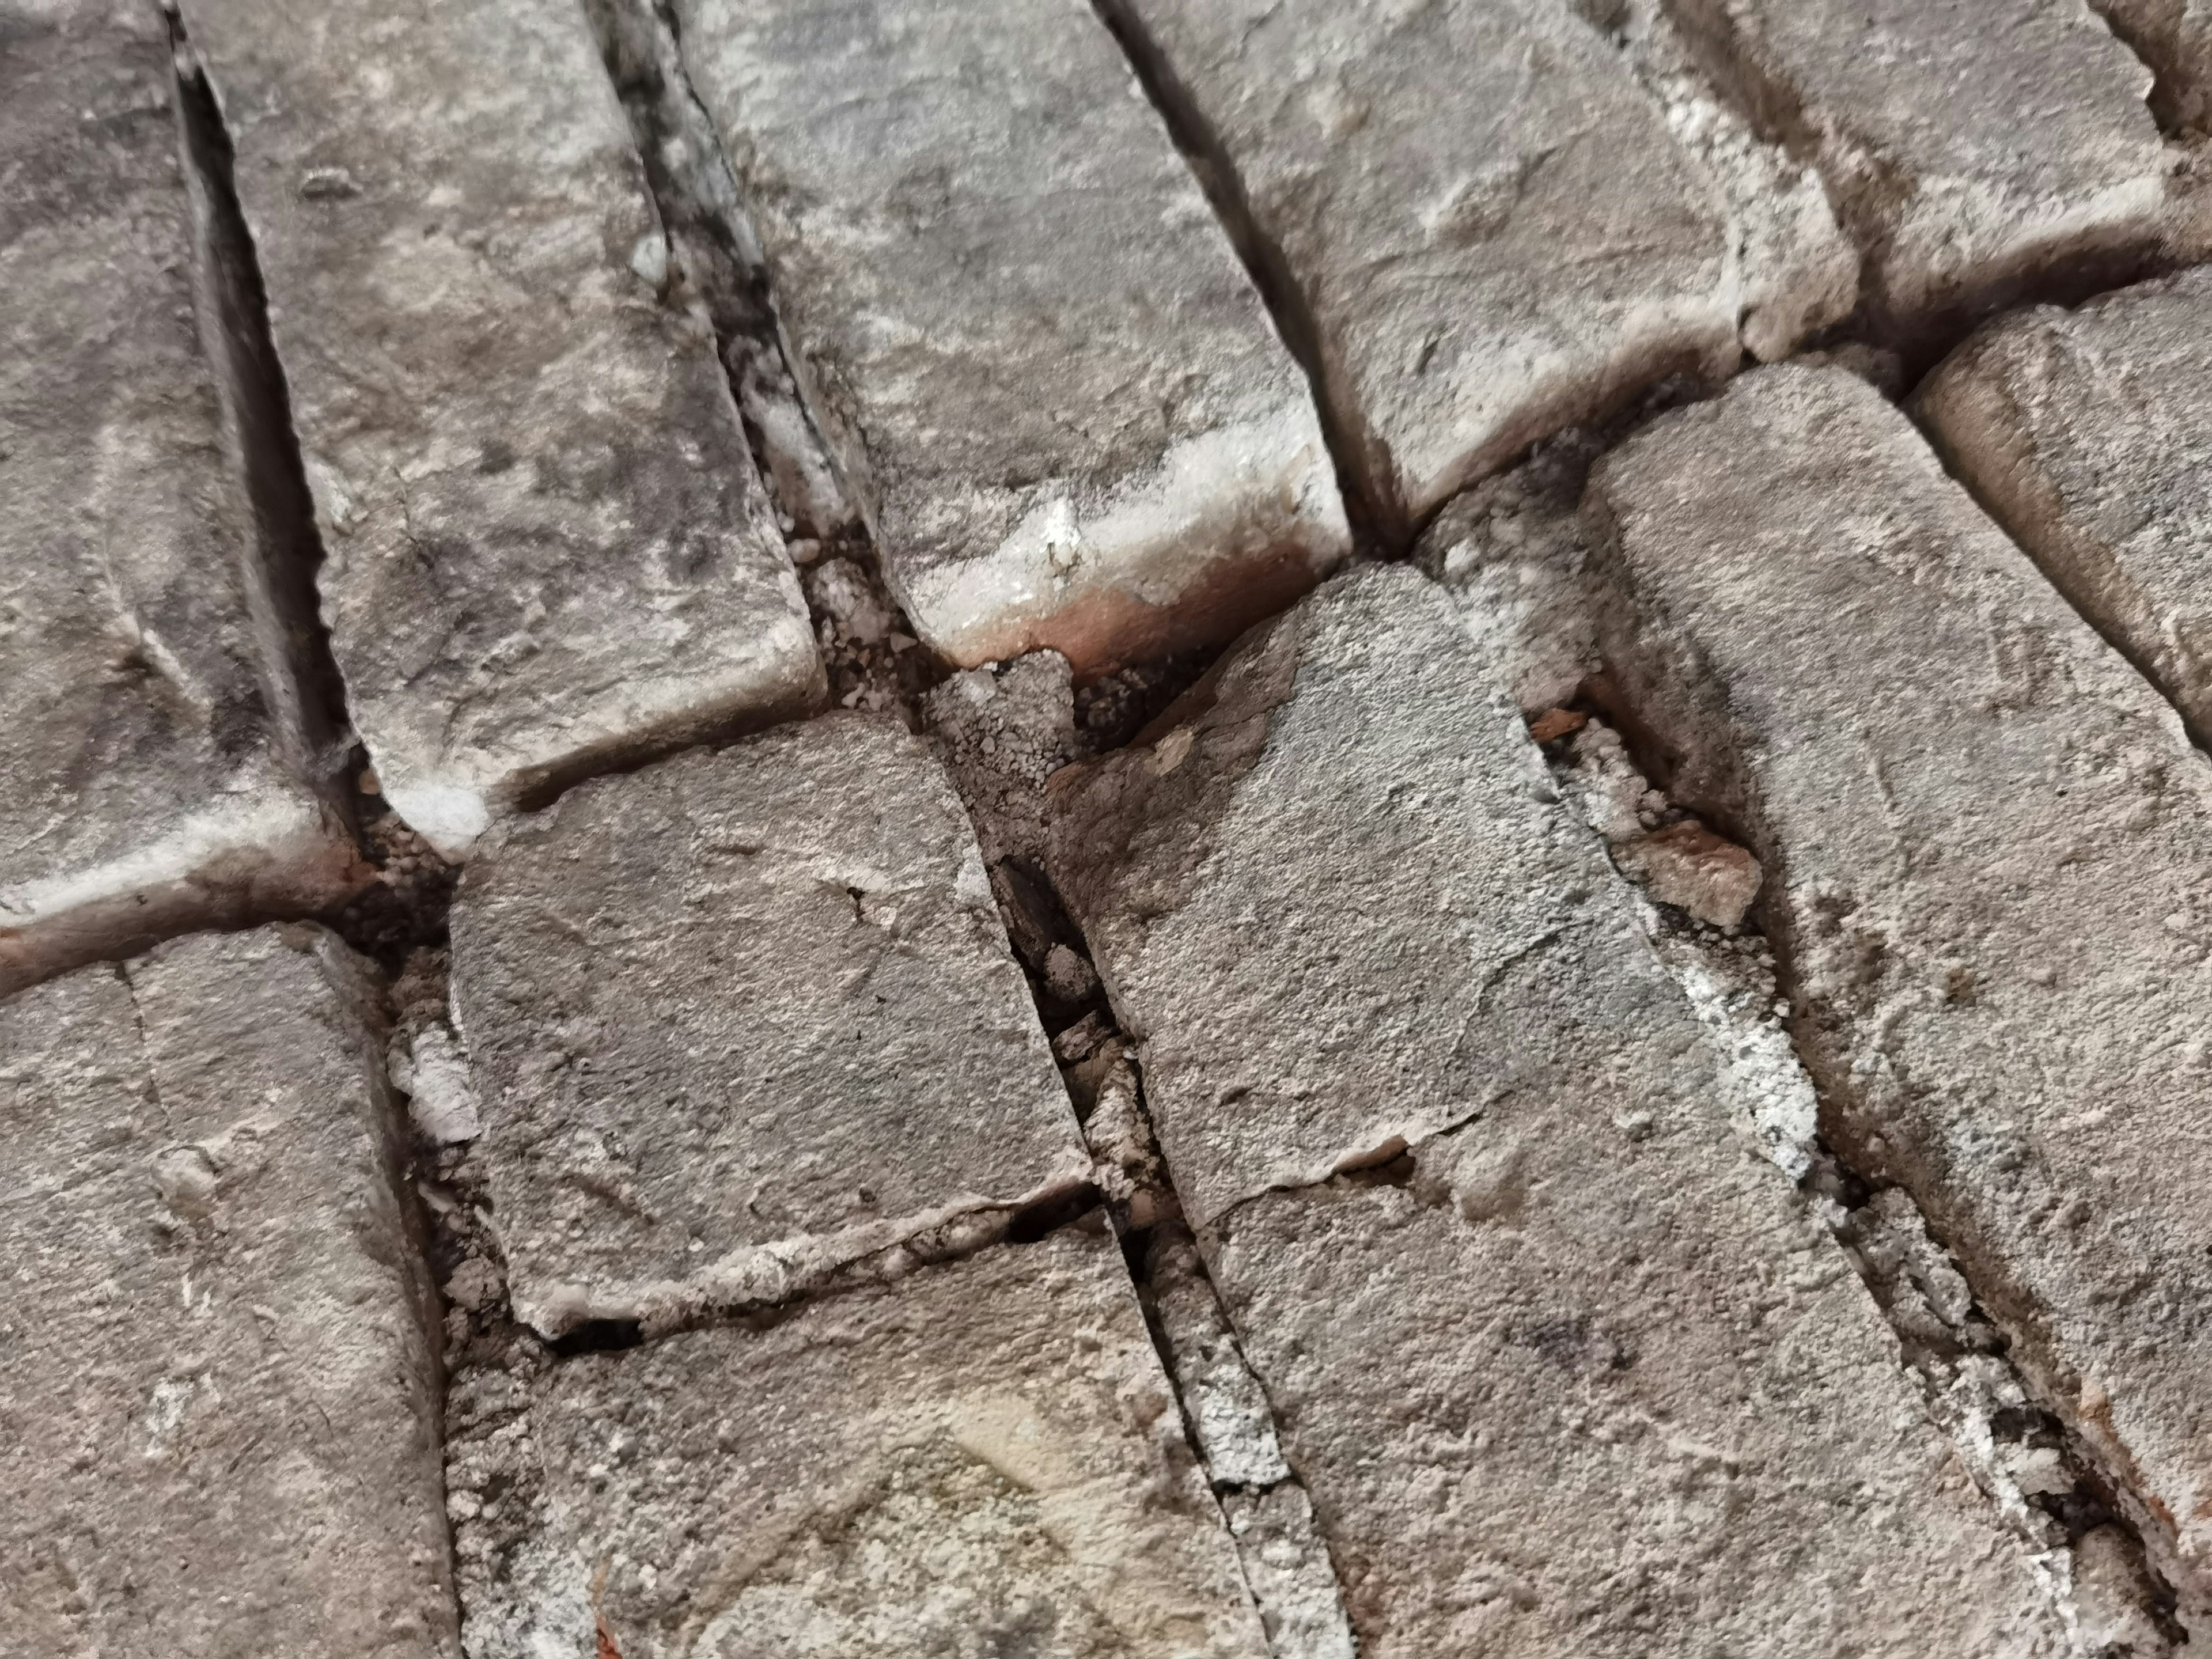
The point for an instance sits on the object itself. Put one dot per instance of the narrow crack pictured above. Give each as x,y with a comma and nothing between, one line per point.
1380,523
2088,1554
872,653
285,550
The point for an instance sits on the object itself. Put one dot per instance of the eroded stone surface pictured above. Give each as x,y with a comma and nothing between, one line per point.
1986,841
218,1387
2089,434
548,548
1051,387
739,1018
148,785
983,1458
1969,147
1488,217
1598,1341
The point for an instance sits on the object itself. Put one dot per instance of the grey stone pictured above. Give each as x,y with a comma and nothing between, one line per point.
151,789
1970,146
1487,214
983,1458
1987,843
1587,1385
1565,1364
1052,391
2089,434
547,547
218,1382
739,1019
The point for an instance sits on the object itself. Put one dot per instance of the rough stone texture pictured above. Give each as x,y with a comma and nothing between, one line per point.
982,1460
148,788
218,1395
1595,1379
1485,215
2174,38
2089,434
740,1017
1053,391
548,548
1971,146
1986,843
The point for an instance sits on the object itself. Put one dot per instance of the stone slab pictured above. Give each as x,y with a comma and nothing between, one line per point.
150,785
1969,149
983,1459
1986,845
219,1388
547,549
2089,434
1051,387
739,1019
1588,1375
1487,216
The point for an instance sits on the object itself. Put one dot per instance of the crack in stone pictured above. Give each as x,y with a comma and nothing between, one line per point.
2088,1555
1380,522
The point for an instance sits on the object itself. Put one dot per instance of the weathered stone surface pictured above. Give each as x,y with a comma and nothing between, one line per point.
548,548
2089,434
1589,1387
1969,147
1596,1379
1052,389
148,784
1987,846
983,1458
1487,216
218,1387
740,1017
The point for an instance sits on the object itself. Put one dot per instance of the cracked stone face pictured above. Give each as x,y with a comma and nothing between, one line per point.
547,549
739,1019
218,1391
1969,148
980,1459
1494,226
1989,840
1590,1321
149,788
2089,434
1055,393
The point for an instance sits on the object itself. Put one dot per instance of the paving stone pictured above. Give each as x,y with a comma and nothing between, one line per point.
1970,147
547,548
739,1019
1488,217
2089,434
218,1390
983,1459
1986,846
1595,1379
1054,393
150,787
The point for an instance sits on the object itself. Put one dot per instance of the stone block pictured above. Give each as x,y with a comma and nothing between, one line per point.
1052,389
740,1019
219,1387
1989,882
547,548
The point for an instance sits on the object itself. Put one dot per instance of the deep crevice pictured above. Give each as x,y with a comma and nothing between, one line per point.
873,654
1364,477
1958,1351
305,688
